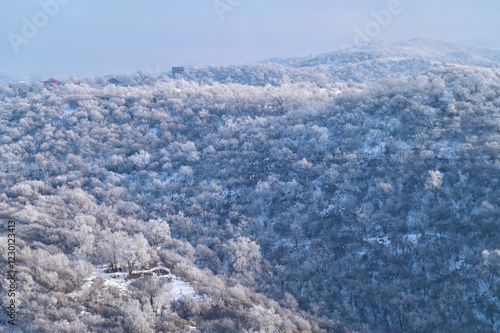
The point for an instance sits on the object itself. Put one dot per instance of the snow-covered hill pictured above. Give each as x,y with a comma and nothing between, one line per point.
434,50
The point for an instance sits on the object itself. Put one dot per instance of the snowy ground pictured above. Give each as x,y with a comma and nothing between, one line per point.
178,288
381,240
119,280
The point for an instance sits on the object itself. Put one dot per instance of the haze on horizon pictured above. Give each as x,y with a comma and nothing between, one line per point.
103,37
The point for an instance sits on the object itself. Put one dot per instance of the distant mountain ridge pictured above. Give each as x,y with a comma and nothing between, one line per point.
415,48
5,77
367,62
361,63
30,77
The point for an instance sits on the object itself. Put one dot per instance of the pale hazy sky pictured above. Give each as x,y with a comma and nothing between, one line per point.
87,37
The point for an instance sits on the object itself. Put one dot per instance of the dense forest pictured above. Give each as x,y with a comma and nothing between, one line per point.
356,191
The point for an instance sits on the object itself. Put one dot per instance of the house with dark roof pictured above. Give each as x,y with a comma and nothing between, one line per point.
177,70
114,81
51,83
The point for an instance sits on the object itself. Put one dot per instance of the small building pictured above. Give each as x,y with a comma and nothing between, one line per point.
22,92
114,81
177,70
22,88
51,83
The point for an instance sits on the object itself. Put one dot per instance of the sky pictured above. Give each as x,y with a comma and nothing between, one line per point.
101,37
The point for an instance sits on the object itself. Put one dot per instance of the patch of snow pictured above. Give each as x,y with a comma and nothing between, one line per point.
168,180
361,253
69,110
119,280
325,212
412,238
381,240
457,264
372,152
154,131
463,177
181,288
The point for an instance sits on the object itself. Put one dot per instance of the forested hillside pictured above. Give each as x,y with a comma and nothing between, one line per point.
318,198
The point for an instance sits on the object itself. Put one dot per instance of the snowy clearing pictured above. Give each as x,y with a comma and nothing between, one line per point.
119,280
